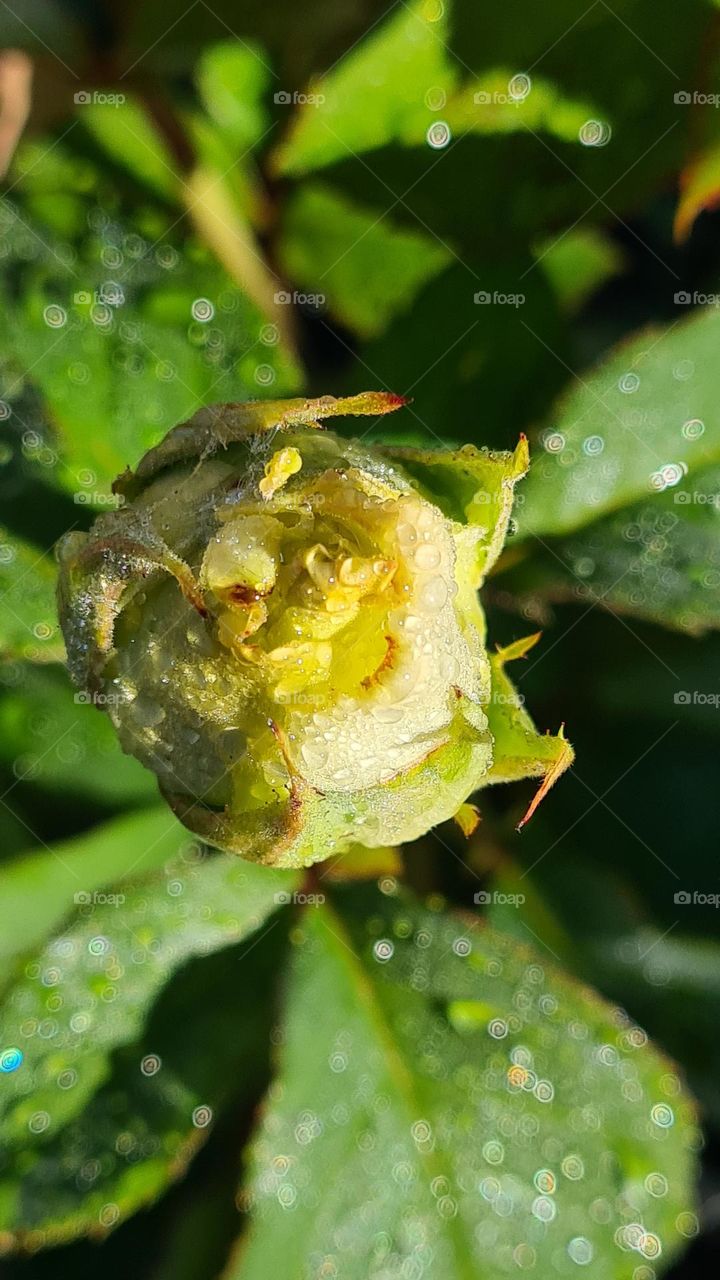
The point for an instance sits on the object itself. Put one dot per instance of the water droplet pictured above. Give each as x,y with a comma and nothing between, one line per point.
435,98
519,86
383,950
427,556
544,1208
55,316
573,1167
595,133
687,1224
39,1122
10,1060
433,595
553,442
580,1250
656,1184
497,1028
593,446
438,135
693,429
662,1115
202,310
494,1152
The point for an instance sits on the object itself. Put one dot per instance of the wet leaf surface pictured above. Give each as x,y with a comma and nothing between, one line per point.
484,1113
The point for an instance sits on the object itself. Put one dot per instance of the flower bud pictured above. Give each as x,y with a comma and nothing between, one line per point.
284,625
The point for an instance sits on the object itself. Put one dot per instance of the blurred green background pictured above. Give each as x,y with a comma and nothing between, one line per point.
503,211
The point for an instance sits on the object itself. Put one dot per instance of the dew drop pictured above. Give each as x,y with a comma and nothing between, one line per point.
383,950
580,1250
202,310
662,1115
438,135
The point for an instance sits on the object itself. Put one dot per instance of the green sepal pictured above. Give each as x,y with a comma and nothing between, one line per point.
217,426
519,751
312,826
471,486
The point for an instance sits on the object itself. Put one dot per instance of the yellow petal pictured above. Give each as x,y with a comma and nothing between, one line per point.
283,464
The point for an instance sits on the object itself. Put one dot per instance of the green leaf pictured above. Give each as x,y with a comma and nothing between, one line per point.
233,181
220,190
621,508
658,559
585,148
232,79
515,908
122,353
139,376
57,739
637,425
651,58
666,978
28,615
672,982
38,889
399,83
375,94
366,269
578,263
128,134
87,992
13,832
445,1096
163,1097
